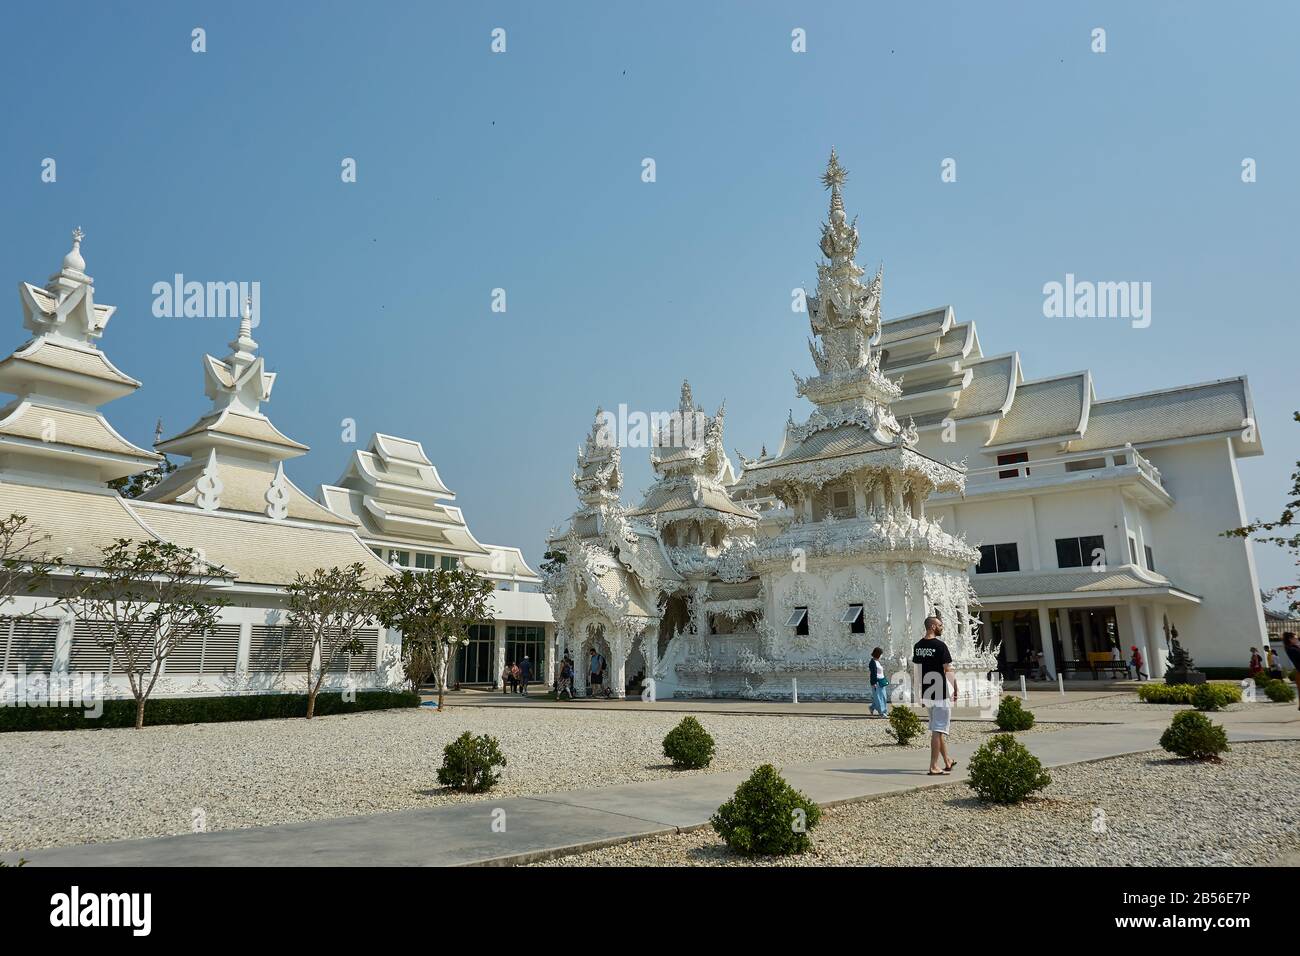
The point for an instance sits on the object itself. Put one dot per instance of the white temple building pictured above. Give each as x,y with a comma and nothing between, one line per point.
231,501
930,478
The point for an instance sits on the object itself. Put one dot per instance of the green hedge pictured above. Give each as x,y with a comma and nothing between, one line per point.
1223,694
200,710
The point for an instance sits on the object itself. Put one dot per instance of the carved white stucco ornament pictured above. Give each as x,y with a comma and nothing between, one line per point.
209,485
277,495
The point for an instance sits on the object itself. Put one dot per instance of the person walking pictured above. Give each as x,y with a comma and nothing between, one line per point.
525,674
514,678
879,684
597,671
1256,663
1291,644
566,678
506,679
938,690
1136,661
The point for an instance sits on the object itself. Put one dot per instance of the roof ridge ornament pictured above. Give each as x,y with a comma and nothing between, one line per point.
209,485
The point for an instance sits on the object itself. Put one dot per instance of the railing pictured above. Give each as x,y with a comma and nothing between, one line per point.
1109,462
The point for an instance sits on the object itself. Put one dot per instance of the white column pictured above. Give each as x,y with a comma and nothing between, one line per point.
1045,633
499,645
650,651
1139,635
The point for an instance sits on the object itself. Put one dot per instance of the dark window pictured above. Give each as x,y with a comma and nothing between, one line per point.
853,618
1079,552
1151,558
1013,458
998,558
1133,549
799,620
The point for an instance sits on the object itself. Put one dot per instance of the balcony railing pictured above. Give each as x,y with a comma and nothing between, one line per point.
1112,462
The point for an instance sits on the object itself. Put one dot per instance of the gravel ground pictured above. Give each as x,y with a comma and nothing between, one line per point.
1158,811
89,786
1130,702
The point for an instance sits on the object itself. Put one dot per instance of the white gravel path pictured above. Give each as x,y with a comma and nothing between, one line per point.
1129,702
1152,810
88,786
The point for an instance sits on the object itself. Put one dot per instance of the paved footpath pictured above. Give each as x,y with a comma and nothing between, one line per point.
523,829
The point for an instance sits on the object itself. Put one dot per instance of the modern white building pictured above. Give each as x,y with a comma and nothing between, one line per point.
1098,520
394,493
231,501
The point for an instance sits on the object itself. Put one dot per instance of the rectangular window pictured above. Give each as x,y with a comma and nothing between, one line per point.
853,618
1133,549
402,558
426,561
449,562
1085,464
1080,552
998,558
842,503
1013,458
798,620
1151,558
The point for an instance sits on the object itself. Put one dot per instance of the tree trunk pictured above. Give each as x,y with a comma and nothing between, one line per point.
311,703
139,713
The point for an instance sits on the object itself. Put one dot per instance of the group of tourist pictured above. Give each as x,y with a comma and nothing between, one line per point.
1269,663
516,677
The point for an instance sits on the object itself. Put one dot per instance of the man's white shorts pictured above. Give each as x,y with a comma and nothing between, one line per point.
940,717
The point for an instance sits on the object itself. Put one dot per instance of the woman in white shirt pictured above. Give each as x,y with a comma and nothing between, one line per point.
879,684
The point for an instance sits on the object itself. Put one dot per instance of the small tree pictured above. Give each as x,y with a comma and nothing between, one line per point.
133,486
23,565
326,609
434,611
1284,533
148,598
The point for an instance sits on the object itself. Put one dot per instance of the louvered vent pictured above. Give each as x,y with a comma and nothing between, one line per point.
28,642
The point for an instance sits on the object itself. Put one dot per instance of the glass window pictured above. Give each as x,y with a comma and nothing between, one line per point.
1013,458
853,618
476,661
1080,552
402,558
799,620
998,558
449,562
528,640
426,561
1133,549
1151,558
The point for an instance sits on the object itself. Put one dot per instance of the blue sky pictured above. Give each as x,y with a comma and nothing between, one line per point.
522,171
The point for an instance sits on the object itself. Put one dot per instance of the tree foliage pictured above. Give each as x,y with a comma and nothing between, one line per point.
434,611
143,601
1284,533
326,609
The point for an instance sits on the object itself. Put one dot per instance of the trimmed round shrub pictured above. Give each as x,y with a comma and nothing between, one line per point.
468,762
1207,697
904,724
688,745
1004,771
1194,736
767,816
1279,691
1012,715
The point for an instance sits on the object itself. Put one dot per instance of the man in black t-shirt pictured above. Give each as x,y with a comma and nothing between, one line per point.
938,690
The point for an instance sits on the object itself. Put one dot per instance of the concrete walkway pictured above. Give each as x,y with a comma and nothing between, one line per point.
523,829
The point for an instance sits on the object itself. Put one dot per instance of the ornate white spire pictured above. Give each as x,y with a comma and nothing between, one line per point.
844,315
73,262
240,382
599,476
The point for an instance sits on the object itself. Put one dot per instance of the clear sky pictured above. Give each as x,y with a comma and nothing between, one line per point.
522,171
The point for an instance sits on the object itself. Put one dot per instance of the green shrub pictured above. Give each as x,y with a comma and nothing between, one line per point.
904,724
1219,693
1279,691
1195,736
467,763
688,745
767,816
200,710
1012,716
1215,696
1004,771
